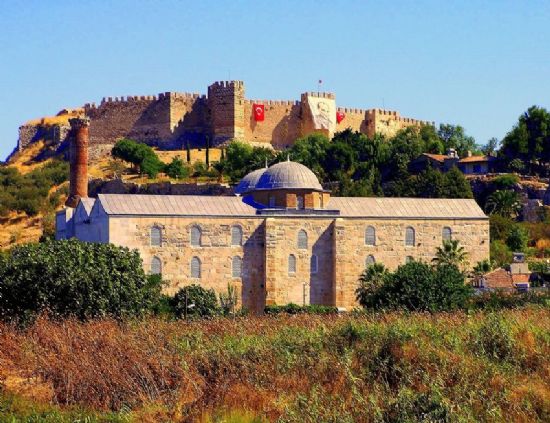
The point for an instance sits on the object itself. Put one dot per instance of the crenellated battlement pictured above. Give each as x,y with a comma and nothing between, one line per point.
273,102
179,118
347,110
318,94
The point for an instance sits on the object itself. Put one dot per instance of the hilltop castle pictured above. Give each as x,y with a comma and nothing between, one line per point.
172,120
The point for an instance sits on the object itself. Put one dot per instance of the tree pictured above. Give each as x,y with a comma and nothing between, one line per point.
456,185
418,286
142,156
431,183
73,278
176,169
454,136
340,160
491,147
517,238
194,300
151,165
529,139
370,282
503,202
500,253
451,253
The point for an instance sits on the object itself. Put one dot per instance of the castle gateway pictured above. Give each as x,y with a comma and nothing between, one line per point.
281,239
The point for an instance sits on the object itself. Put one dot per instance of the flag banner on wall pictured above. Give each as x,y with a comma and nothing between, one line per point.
259,112
340,116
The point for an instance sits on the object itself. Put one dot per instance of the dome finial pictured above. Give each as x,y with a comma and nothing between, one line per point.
266,162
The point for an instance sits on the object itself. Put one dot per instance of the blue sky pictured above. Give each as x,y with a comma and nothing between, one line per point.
478,64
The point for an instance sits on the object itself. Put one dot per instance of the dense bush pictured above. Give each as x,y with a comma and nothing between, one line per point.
74,278
418,286
177,169
505,181
194,300
30,193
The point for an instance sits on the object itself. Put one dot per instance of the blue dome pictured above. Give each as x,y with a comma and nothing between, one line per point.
248,183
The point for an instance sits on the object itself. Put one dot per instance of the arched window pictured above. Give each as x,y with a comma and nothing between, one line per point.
370,236
236,236
369,261
271,201
321,202
300,202
446,233
156,266
302,239
156,237
291,264
236,267
313,264
409,259
409,237
196,236
195,268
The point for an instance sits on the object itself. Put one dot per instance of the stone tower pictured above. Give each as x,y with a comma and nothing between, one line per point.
226,102
78,159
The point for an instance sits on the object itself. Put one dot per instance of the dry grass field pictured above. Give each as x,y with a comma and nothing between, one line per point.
366,368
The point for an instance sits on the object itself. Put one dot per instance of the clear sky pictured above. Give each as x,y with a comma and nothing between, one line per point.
479,64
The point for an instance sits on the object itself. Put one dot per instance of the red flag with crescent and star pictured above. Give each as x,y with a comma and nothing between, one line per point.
259,112
340,116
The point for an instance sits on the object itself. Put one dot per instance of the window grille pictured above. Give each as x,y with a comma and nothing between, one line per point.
271,201
236,235
446,233
370,236
314,264
369,261
302,240
156,266
195,267
156,236
236,267
291,264
409,237
196,236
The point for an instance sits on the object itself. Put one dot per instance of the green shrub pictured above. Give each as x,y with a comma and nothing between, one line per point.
500,253
419,286
506,181
176,169
194,300
517,239
494,338
73,278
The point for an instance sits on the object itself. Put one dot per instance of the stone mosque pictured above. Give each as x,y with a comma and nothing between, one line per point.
281,239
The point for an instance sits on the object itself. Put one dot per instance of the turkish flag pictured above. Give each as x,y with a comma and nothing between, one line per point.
340,116
259,112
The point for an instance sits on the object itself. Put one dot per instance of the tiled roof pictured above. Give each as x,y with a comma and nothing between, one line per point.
170,205
475,159
406,207
438,157
198,205
498,278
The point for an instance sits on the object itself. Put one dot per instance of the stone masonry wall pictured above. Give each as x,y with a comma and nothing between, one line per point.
390,248
281,126
267,243
215,254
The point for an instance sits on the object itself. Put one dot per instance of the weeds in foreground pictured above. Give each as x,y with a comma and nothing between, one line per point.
391,367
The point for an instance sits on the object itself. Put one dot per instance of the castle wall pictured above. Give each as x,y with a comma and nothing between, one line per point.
281,126
355,119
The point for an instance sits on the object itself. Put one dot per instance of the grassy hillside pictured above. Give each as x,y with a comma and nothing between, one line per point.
374,368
